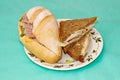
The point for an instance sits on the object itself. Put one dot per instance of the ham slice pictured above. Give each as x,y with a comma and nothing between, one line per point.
27,27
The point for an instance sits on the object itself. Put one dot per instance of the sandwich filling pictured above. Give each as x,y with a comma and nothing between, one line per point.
77,35
27,27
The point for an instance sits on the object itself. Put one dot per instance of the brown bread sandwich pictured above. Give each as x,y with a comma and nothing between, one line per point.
75,36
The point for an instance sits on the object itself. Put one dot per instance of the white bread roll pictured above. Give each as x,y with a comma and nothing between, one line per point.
46,31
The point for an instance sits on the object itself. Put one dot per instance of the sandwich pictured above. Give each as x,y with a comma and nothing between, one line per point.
78,49
39,33
75,36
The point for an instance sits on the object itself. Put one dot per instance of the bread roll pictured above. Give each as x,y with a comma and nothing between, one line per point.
39,33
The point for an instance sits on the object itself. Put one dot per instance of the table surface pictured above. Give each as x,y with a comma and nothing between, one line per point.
15,65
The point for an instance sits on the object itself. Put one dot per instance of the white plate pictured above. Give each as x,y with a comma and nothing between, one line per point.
68,63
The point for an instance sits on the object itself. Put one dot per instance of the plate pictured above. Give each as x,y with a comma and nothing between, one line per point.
67,62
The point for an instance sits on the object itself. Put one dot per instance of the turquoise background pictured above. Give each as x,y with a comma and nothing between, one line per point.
15,65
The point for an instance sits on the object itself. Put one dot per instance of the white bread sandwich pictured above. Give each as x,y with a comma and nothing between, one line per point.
39,33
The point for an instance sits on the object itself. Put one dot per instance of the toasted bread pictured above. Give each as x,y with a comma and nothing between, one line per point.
75,37
77,50
73,30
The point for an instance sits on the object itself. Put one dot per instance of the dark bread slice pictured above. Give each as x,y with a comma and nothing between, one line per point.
69,27
77,50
